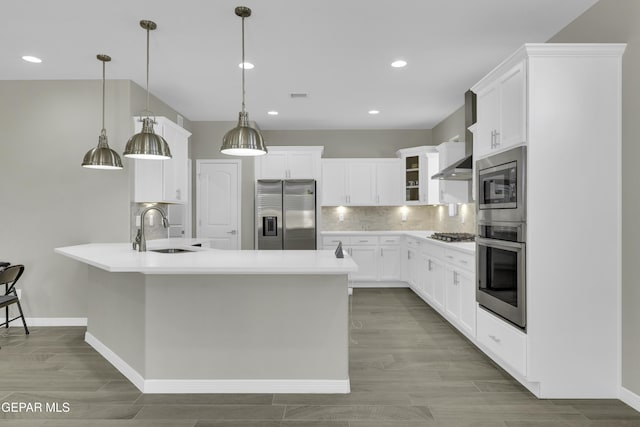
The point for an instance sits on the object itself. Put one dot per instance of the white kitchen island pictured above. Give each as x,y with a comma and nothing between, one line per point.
213,321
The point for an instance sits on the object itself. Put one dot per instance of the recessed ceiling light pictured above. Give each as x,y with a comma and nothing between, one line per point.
246,65
399,63
373,112
32,59
272,113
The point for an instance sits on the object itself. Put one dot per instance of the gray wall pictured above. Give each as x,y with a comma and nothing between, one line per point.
450,127
157,106
619,21
49,200
352,143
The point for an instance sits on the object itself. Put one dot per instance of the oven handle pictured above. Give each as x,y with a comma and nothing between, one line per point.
500,244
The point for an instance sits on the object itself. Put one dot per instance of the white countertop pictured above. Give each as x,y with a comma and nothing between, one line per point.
120,257
467,247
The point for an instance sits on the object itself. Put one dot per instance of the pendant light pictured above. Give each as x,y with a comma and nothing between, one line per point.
146,144
102,157
243,140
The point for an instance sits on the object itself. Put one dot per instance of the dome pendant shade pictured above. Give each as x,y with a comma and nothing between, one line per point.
102,157
243,140
146,144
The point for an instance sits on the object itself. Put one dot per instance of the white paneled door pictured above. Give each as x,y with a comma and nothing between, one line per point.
218,203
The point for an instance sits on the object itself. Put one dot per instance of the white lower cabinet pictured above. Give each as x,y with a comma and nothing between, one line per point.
503,340
444,278
435,277
366,257
390,265
468,305
452,294
378,256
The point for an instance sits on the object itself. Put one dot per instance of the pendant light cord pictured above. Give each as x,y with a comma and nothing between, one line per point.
243,65
103,132
148,72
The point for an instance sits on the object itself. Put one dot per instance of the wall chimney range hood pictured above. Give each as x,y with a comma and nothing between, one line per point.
460,170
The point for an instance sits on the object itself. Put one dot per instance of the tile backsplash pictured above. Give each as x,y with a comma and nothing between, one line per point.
377,218
153,228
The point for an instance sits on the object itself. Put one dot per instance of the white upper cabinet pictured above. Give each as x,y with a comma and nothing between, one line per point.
164,181
452,191
334,183
289,162
389,183
501,107
419,164
361,182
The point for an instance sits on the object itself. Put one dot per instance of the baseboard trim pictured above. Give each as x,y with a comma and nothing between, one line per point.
216,386
364,284
630,398
247,386
51,321
122,366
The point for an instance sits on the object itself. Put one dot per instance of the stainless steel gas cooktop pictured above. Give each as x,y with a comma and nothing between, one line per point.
454,237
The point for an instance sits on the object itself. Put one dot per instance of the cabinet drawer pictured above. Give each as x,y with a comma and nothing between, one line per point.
364,240
414,243
433,250
329,242
505,341
389,240
460,259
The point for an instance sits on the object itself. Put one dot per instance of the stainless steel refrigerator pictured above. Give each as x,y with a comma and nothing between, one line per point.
286,214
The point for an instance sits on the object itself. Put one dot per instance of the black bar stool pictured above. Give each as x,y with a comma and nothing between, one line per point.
9,277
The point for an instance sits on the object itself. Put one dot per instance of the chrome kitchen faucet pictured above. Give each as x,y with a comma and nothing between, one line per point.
140,242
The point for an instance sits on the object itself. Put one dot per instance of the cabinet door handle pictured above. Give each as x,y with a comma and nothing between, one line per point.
449,256
497,139
232,232
408,255
177,194
455,278
495,339
381,253
428,265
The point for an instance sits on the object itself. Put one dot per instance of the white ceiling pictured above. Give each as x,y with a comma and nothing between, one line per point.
337,51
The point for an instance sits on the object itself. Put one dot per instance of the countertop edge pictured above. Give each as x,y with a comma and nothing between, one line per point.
416,234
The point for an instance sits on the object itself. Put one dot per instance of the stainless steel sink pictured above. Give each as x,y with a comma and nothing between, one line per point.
171,250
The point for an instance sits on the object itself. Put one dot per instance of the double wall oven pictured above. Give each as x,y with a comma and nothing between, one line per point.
501,241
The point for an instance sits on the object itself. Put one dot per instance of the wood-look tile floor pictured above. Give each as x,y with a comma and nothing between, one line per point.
408,368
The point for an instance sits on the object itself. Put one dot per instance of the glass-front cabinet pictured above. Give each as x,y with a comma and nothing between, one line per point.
419,164
412,178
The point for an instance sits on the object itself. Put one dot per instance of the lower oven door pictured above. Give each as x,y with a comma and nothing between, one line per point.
501,279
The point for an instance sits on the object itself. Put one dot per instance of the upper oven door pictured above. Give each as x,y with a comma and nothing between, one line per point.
500,181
